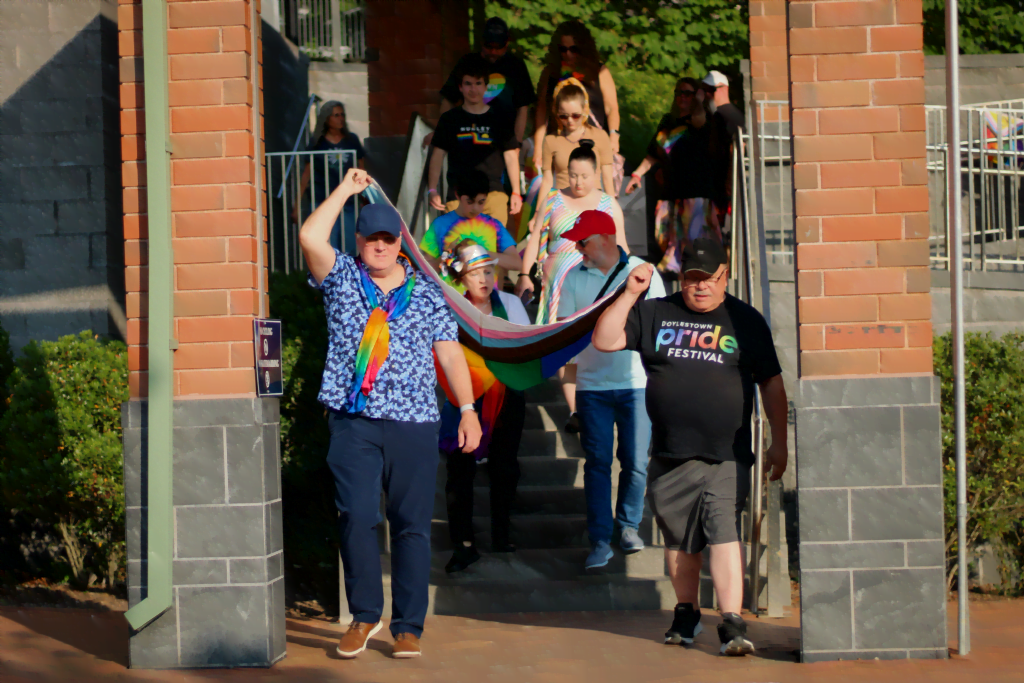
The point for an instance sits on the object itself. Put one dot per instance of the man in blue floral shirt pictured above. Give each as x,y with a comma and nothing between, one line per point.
385,323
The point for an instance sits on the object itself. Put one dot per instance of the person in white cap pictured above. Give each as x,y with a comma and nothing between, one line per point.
728,113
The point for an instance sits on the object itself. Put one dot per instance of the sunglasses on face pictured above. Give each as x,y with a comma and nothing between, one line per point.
585,242
684,92
567,49
566,117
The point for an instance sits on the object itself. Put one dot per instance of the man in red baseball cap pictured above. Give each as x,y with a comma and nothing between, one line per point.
610,392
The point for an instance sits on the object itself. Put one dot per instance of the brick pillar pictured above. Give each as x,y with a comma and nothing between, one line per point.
769,61
411,47
228,596
868,471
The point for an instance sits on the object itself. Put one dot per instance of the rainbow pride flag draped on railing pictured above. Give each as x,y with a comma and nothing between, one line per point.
520,356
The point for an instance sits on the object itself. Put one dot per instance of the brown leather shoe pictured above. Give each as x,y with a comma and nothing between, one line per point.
406,645
355,639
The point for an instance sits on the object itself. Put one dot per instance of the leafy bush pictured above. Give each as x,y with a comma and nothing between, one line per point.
6,368
986,26
310,516
994,377
61,459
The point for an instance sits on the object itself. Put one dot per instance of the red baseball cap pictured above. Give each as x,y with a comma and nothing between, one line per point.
590,222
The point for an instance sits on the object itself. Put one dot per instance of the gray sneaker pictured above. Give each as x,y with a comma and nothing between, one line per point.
599,556
630,541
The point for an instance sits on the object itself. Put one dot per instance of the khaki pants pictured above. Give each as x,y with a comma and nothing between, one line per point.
496,206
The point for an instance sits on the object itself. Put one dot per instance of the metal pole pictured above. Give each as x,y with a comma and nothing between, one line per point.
957,317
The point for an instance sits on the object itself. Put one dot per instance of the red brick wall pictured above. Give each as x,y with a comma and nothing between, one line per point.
417,42
861,187
769,60
217,217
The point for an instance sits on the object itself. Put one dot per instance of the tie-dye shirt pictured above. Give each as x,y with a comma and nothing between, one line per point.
448,230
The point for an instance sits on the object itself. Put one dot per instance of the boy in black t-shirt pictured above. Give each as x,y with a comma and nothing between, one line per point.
476,137
703,351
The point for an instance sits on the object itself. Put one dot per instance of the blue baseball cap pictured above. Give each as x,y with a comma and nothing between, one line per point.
374,218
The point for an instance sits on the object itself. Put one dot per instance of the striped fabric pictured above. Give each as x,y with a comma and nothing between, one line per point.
558,256
520,356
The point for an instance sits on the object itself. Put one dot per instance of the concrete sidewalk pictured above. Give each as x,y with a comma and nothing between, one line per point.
43,644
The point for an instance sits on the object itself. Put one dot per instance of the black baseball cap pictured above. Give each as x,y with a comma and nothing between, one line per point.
495,31
704,255
375,218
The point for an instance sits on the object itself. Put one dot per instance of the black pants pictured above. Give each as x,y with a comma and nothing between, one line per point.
503,468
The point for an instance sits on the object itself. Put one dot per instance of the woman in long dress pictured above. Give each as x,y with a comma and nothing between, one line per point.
558,256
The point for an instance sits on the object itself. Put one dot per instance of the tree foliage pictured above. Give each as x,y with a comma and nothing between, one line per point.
60,458
986,26
994,376
646,45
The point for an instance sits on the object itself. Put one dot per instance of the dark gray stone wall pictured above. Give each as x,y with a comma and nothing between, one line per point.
61,239
228,596
869,484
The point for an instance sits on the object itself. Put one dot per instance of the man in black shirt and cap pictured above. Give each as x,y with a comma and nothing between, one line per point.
703,351
509,90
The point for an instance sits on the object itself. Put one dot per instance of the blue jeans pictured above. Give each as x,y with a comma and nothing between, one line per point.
599,412
401,457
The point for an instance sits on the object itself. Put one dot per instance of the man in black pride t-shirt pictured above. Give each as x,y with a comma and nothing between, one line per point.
703,351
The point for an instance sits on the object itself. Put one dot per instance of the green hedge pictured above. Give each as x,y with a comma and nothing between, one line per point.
60,451
994,380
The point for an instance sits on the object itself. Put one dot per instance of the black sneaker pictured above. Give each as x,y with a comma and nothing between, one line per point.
572,425
462,557
685,625
733,634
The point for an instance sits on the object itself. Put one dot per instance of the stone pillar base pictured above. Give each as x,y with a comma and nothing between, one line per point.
869,477
228,595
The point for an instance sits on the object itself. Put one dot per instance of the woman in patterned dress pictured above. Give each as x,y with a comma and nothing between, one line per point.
558,256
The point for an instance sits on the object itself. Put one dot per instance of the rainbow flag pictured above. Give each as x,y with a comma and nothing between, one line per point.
520,356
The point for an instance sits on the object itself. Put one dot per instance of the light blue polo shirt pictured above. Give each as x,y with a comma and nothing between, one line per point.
597,371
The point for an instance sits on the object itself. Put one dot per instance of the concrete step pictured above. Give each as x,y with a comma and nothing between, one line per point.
540,442
555,564
541,471
537,531
549,417
543,500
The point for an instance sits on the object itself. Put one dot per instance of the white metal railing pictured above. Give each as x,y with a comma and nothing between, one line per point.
767,158
992,167
328,29
289,204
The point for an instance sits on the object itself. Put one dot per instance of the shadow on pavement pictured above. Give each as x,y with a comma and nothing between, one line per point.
103,635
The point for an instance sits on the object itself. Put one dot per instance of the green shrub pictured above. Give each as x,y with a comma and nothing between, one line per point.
6,368
61,458
994,377
310,516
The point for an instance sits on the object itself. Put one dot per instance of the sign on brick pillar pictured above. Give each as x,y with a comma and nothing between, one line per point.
228,597
868,467
411,47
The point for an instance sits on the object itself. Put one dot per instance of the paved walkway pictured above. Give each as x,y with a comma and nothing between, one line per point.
43,644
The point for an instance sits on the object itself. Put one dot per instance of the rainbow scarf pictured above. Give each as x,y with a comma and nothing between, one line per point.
485,385
373,347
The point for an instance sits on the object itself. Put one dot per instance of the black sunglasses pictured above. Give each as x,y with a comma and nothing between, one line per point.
571,48
684,92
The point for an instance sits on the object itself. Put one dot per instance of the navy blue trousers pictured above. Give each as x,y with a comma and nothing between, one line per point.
401,457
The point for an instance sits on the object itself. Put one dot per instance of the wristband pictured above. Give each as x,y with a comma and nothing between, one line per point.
516,194
636,175
431,191
468,406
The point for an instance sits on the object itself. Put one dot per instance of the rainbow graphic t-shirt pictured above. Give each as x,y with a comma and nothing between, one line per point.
668,137
475,137
495,84
448,230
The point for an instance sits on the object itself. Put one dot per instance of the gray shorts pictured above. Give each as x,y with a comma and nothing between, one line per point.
697,502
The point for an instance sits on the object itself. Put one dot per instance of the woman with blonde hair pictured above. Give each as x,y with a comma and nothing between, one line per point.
572,53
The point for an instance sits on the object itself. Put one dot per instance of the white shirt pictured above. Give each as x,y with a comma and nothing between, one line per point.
514,308
595,370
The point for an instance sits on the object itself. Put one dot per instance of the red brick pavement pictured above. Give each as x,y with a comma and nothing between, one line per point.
43,644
